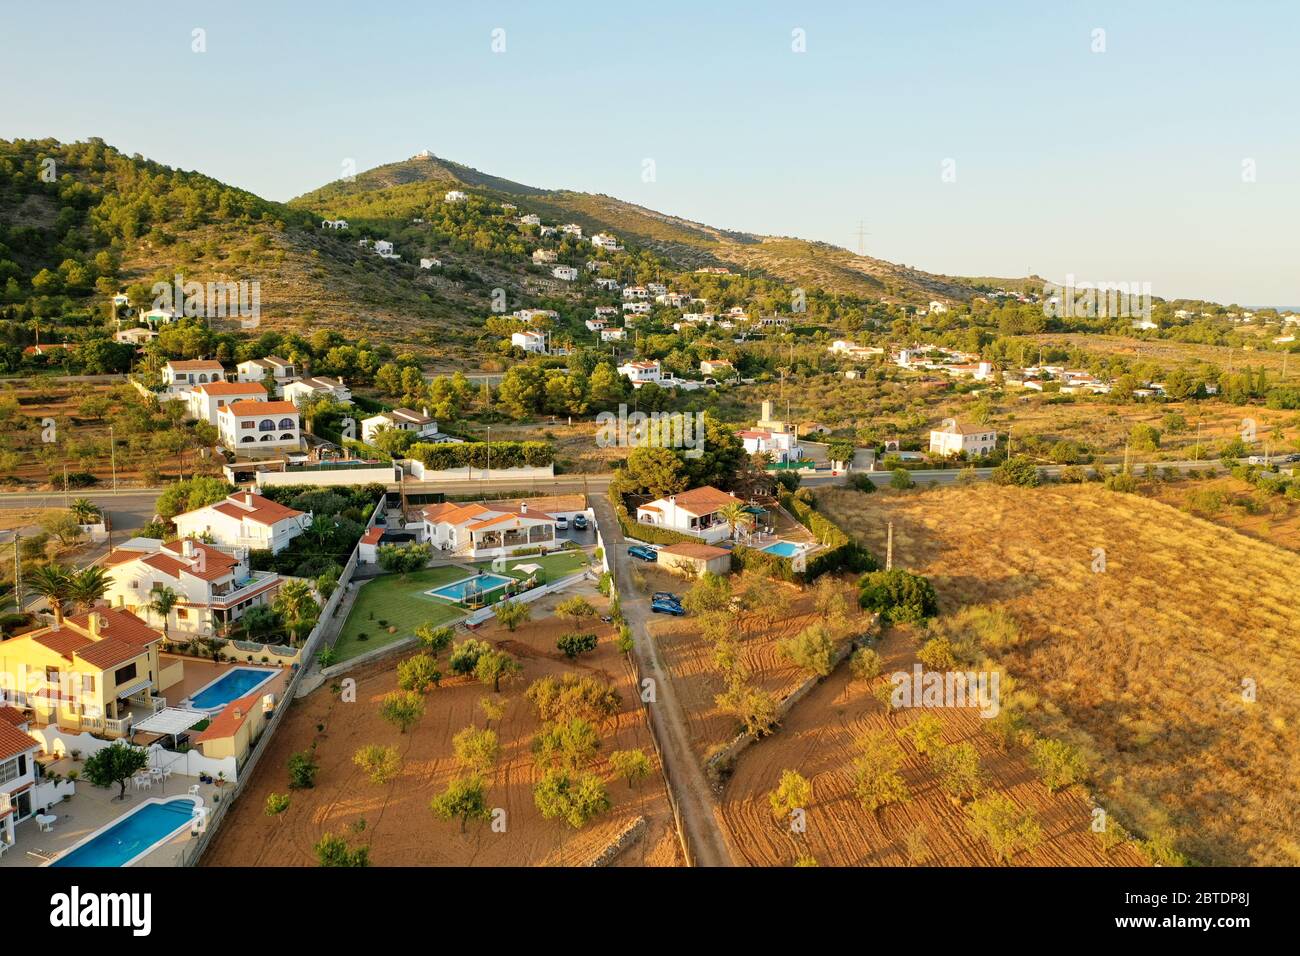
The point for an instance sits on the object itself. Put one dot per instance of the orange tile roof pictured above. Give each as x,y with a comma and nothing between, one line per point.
509,516
705,501
246,409
694,549
231,718
117,622
63,641
196,365
263,510
108,652
373,535
14,742
231,388
12,715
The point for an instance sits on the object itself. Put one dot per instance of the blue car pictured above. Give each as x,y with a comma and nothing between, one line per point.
667,607
666,596
644,553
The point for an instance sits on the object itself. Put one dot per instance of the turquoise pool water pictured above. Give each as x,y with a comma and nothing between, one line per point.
132,835
457,590
786,549
233,684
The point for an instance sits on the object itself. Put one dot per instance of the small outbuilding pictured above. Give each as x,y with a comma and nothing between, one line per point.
696,557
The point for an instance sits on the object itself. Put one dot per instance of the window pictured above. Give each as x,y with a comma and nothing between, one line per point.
182,614
288,436
124,674
88,683
9,771
266,425
245,424
287,423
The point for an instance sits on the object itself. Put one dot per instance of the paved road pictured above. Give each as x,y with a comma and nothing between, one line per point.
690,787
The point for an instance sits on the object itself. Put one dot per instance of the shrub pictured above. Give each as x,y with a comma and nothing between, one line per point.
1016,470
302,770
898,595
571,645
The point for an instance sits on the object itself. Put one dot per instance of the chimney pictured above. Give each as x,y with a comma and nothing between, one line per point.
672,499
97,624
767,411
523,507
425,412
187,548
248,500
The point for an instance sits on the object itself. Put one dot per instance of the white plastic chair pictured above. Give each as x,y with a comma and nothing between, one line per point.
146,783
194,790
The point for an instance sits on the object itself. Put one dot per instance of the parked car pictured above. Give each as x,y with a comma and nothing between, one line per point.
644,553
667,607
561,523
580,522
666,596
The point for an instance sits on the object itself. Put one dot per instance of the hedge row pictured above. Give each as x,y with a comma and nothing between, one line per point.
642,532
840,552
501,454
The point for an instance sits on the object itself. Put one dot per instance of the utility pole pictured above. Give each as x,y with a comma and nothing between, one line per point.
18,574
112,454
889,548
65,485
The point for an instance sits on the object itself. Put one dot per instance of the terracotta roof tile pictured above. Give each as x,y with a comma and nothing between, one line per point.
14,742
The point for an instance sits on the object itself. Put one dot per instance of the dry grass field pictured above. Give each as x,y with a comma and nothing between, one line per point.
1145,664
400,828
1235,504
818,739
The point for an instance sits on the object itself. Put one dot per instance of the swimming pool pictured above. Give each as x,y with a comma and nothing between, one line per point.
146,827
233,684
786,549
456,591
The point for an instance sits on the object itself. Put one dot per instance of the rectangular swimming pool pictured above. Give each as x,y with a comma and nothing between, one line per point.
149,825
786,549
481,583
233,684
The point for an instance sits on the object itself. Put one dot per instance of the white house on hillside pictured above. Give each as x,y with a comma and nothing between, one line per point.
454,195
481,530
206,400
334,224
214,588
401,419
529,341
638,373
18,784
565,273
316,386
258,370
244,520
185,375
951,439
430,263
256,427
693,512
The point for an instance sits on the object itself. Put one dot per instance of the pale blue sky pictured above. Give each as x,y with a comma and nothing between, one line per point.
1122,165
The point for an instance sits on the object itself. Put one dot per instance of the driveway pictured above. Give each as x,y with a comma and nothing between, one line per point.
690,787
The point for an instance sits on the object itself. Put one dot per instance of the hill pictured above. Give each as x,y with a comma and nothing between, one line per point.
418,181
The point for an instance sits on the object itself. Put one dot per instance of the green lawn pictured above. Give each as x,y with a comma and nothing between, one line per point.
554,566
401,602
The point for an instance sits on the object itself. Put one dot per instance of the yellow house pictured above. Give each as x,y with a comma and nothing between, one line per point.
86,674
233,732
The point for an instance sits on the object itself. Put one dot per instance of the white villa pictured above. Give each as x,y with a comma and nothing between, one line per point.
853,350
185,375
214,588
18,786
635,292
136,336
780,445
613,335
244,520
603,240
256,370
315,386
565,273
717,367
952,439
529,341
481,530
544,256
401,419
638,373
259,426
334,224
430,263
693,512
207,400
636,308
455,195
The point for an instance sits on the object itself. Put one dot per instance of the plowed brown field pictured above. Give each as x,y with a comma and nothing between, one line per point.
400,828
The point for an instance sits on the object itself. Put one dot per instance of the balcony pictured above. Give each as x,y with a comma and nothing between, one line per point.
256,583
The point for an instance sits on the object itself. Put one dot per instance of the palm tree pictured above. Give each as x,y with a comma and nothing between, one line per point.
89,585
296,605
164,599
735,515
86,511
53,582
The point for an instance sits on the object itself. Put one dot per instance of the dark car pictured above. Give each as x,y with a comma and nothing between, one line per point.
666,596
580,522
644,553
667,607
